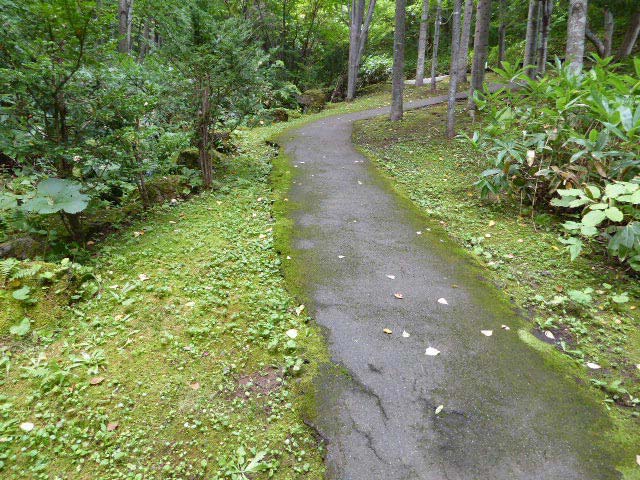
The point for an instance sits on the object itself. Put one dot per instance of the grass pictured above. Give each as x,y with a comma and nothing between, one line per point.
171,356
521,254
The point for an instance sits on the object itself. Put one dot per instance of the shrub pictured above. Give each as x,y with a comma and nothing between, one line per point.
375,69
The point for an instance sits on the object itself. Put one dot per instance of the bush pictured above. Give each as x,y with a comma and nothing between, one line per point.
573,135
375,69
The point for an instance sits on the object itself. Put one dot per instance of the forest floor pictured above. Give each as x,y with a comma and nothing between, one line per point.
176,357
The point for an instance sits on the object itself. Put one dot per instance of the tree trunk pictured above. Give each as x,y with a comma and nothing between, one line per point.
398,60
630,37
436,45
453,70
357,12
365,32
422,42
463,48
593,38
608,32
530,40
204,155
576,26
480,47
125,13
145,44
547,10
502,32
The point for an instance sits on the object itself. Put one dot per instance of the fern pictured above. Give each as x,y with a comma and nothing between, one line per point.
26,272
7,267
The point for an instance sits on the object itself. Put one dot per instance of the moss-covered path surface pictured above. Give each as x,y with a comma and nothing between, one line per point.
440,377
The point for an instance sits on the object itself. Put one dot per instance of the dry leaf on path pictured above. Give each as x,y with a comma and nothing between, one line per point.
387,331
486,333
96,380
143,277
593,366
439,409
292,333
432,352
392,277
111,426
443,301
195,386
505,327
405,334
550,335
398,295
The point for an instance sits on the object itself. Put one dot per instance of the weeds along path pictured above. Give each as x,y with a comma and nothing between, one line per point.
439,378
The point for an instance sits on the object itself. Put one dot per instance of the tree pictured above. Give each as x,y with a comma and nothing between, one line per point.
358,35
576,27
453,77
125,17
480,47
436,45
530,40
546,7
398,60
630,37
502,31
422,42
464,41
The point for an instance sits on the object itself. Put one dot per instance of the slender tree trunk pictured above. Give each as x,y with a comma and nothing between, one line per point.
547,10
453,70
608,32
463,49
422,42
436,45
502,32
576,26
145,44
357,12
630,37
129,25
204,155
593,38
123,26
530,40
398,60
480,47
365,32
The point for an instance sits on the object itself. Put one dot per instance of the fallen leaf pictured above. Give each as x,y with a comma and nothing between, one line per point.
638,459
111,426
340,256
486,333
443,301
96,380
418,233
559,288
27,426
398,295
432,352
387,331
195,386
299,309
492,223
520,240
190,304
487,235
593,366
454,286
143,277
505,327
550,335
405,334
439,409
392,277
555,248
292,333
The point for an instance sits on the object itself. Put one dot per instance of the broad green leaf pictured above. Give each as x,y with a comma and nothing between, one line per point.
22,328
22,294
634,198
593,218
56,194
614,214
613,190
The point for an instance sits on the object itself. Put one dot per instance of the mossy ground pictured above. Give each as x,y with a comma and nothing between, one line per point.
176,358
521,254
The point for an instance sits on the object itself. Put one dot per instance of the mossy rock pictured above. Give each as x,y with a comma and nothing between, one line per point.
313,100
189,158
163,188
21,248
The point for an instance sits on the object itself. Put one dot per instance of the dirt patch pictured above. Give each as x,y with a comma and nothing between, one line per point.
259,383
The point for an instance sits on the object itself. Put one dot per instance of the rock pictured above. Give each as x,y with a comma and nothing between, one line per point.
21,248
189,158
313,100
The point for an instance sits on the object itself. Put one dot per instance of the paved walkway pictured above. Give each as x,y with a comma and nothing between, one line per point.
506,415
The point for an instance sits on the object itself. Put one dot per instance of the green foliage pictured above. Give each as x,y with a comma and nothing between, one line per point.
576,136
375,69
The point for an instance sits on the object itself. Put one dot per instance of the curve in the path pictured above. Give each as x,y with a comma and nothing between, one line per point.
507,414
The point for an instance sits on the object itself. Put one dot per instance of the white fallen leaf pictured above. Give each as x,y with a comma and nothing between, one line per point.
638,459
593,366
299,309
432,352
443,301
405,334
550,335
418,233
190,304
26,426
638,366
439,409
387,331
292,333
340,256
288,257
143,277
486,333
398,295
392,277
505,327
